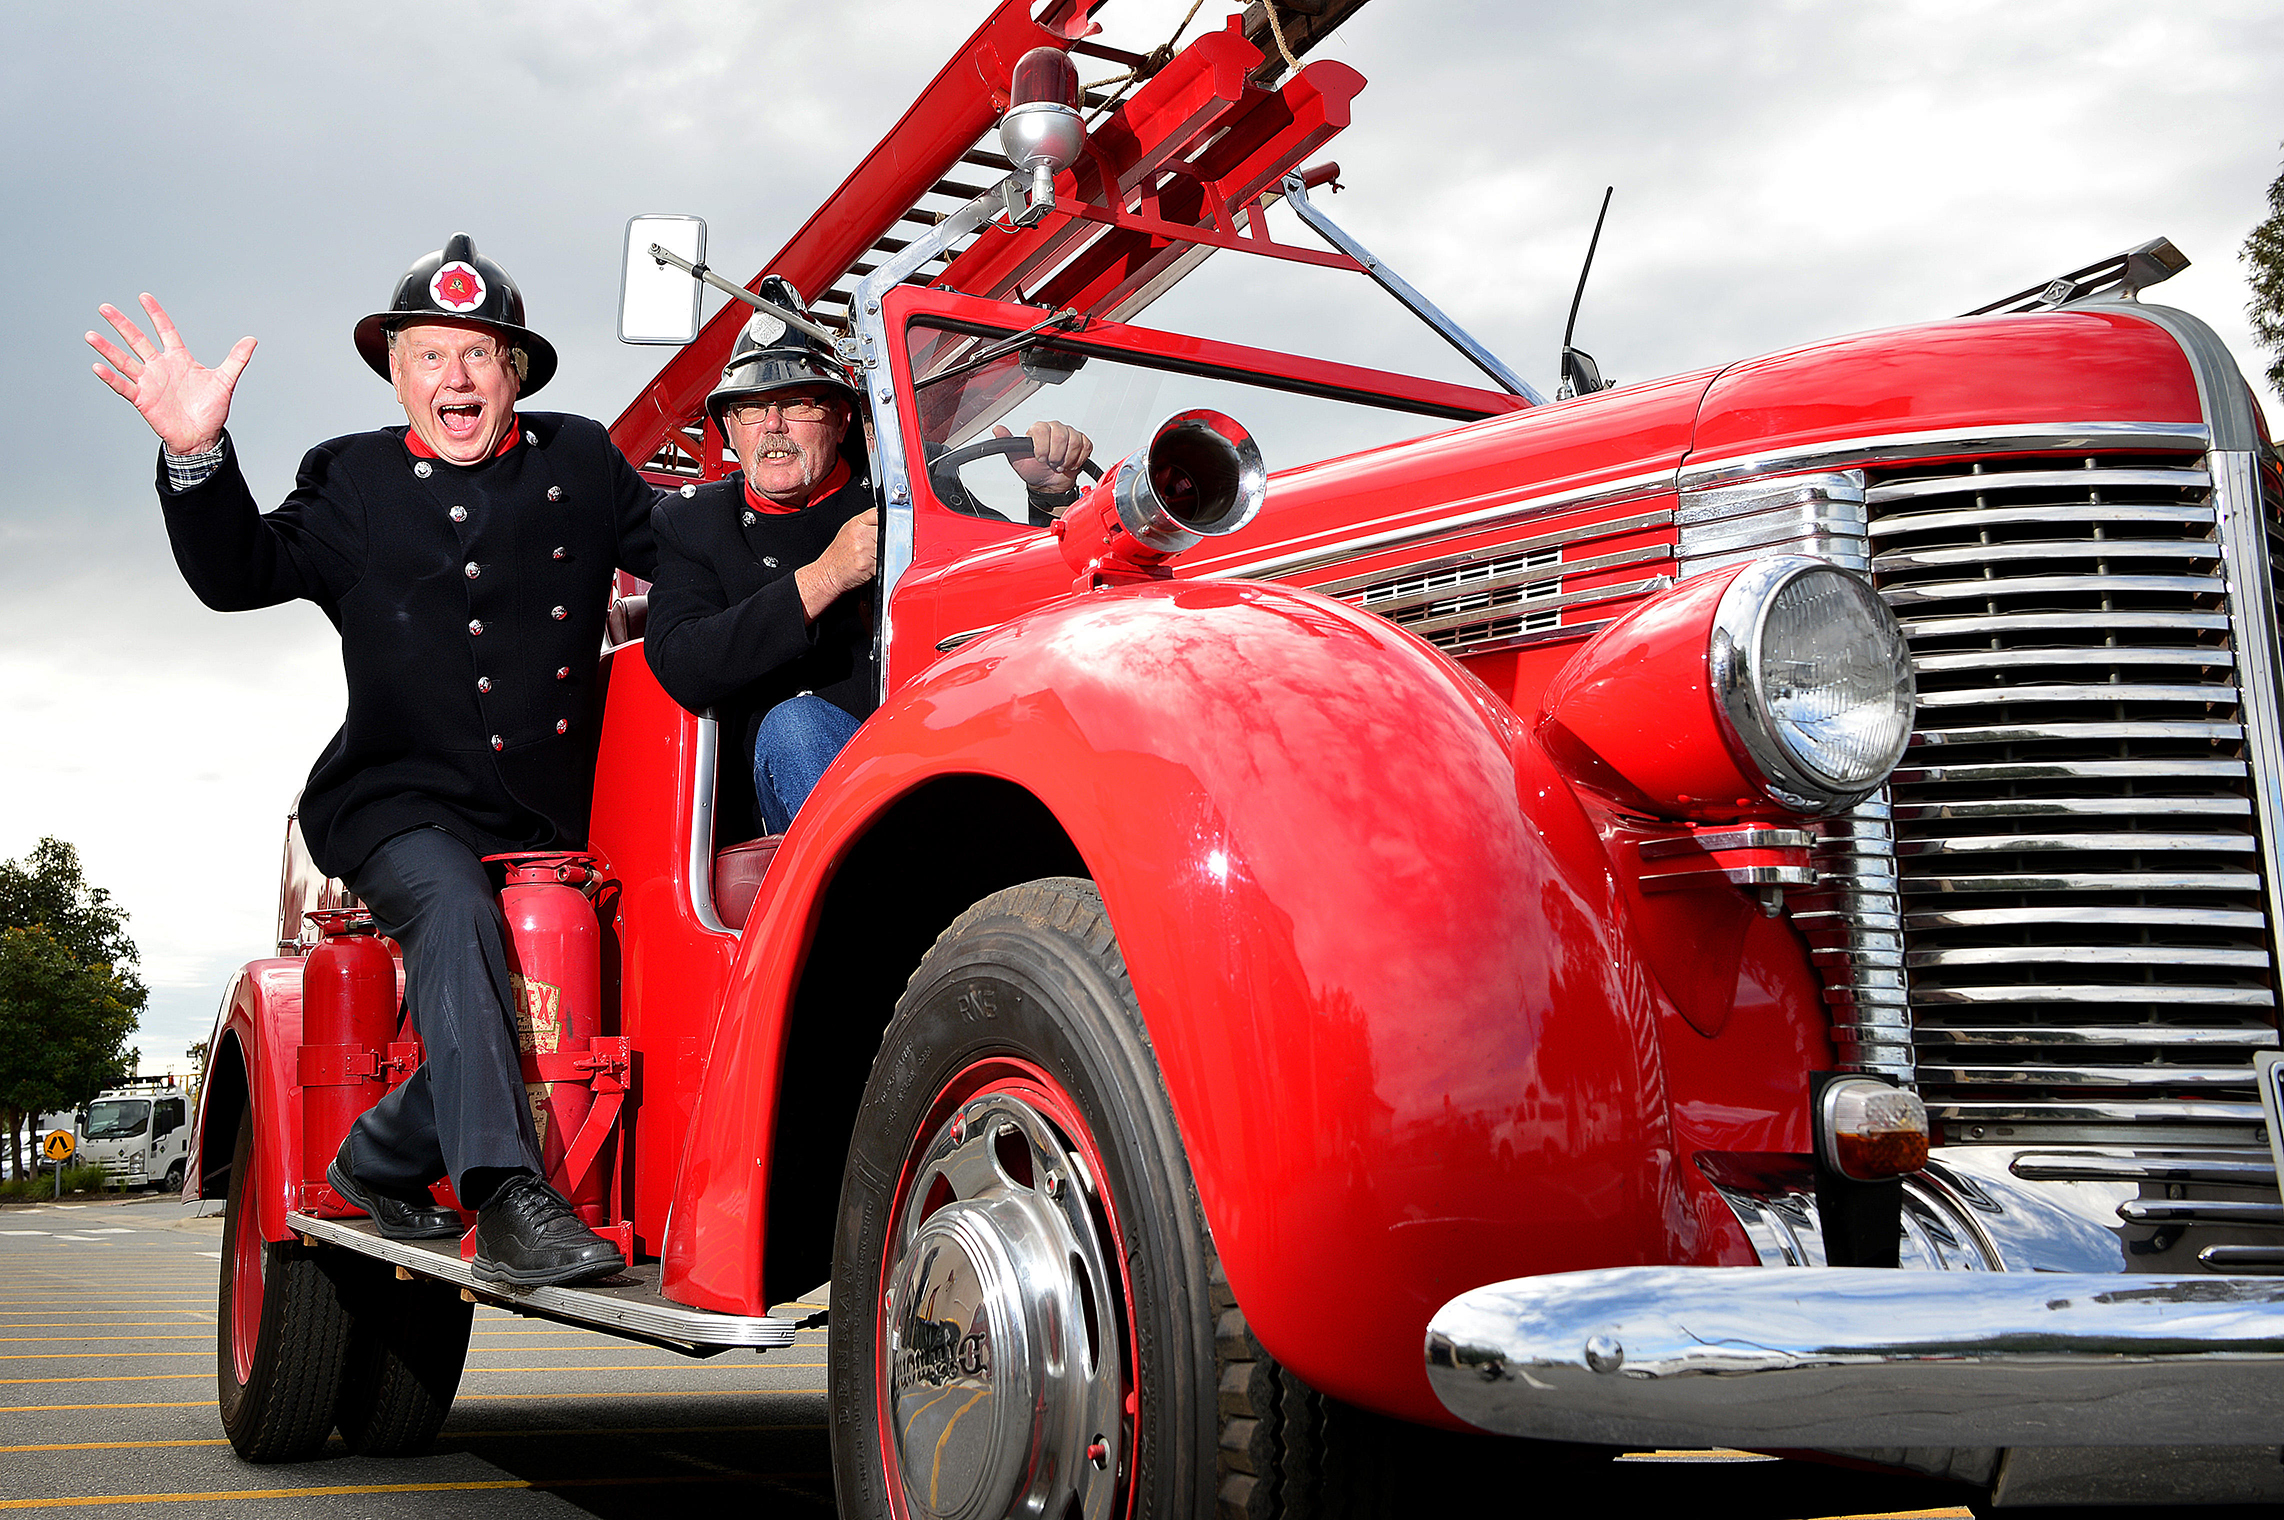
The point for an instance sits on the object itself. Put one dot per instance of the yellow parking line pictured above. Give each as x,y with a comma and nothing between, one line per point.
117,1324
131,1377
80,1501
449,1435
60,1356
119,1445
60,1408
78,1339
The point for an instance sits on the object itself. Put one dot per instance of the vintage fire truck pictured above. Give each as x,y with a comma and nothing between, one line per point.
1735,910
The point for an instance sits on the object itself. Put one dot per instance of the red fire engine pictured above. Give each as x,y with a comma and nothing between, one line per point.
1736,910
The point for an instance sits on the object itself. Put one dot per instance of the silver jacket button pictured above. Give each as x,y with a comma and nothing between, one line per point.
483,683
476,626
423,468
559,614
554,493
747,519
473,569
531,438
459,514
689,490
562,672
562,553
498,742
769,562
563,725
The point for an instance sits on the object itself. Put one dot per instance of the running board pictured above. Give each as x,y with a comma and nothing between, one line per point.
628,1304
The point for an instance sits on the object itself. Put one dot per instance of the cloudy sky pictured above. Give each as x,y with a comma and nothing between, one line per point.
1784,172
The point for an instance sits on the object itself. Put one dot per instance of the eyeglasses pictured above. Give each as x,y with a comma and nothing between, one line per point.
476,358
797,409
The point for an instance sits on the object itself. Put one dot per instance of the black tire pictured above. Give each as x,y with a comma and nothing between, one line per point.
173,1185
1030,982
405,1360
281,1329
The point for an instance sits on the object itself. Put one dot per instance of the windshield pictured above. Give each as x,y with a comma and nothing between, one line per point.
1117,399
117,1117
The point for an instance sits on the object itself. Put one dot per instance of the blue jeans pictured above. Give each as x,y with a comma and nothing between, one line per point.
797,740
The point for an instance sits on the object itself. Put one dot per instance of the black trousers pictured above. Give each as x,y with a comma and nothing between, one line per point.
465,1108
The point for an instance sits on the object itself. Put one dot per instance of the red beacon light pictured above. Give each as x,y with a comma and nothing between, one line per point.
1041,133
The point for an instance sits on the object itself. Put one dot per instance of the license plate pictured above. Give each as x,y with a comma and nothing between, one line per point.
2268,1075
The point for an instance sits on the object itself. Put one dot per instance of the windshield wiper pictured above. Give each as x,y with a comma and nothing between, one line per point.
1065,319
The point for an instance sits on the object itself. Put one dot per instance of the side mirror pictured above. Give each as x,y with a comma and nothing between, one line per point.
658,303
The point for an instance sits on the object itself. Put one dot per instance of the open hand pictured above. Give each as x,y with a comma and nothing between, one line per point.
1057,451
185,403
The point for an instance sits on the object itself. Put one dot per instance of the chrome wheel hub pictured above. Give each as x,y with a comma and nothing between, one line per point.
1002,1365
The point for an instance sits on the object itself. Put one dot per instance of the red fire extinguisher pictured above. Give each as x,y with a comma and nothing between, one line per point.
348,1016
555,960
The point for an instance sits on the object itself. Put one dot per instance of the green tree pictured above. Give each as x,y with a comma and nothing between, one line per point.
2263,255
69,995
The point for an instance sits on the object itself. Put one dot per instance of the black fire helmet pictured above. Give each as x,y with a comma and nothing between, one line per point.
457,281
770,357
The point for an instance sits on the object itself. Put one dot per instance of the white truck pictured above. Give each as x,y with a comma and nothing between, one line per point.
138,1132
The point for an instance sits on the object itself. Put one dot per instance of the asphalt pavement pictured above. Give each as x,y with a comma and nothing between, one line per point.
107,1310
107,1400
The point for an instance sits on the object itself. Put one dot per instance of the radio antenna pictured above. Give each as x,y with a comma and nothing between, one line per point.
1580,375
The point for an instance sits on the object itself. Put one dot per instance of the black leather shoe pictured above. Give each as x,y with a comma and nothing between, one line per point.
526,1235
397,1219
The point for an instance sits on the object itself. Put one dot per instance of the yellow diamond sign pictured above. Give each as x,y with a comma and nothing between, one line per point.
58,1145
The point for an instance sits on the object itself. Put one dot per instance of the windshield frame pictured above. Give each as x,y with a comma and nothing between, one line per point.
894,400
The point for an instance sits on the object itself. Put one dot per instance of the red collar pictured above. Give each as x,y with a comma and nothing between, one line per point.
423,451
836,478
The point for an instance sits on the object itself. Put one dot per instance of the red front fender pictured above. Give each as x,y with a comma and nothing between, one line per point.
1406,1044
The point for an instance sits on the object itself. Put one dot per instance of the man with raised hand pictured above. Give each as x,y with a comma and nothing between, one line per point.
466,559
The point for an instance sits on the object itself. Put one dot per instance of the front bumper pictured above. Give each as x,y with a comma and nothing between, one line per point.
1843,1357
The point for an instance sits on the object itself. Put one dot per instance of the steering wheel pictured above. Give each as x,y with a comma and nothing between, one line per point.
944,469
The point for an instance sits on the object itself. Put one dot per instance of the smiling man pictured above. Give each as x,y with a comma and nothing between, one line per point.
763,608
763,604
466,559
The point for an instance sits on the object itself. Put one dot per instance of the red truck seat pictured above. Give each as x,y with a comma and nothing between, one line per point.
624,623
738,870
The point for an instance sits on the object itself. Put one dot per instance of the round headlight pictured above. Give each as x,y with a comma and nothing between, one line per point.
1813,680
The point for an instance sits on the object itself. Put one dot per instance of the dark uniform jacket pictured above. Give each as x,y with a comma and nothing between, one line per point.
726,629
470,603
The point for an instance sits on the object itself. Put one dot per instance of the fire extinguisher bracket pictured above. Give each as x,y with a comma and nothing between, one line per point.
336,1065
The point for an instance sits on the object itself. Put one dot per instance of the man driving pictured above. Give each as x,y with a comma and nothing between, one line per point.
763,606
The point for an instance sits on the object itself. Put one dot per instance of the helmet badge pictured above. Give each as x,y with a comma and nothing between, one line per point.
765,329
457,287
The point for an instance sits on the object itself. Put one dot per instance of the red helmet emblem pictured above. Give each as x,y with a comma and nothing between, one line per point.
457,287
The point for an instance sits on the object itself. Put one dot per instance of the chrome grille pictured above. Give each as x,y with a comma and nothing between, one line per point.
2075,831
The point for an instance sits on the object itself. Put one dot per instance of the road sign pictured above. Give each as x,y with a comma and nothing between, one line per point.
58,1146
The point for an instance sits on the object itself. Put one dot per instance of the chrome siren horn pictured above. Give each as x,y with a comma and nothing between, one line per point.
1200,477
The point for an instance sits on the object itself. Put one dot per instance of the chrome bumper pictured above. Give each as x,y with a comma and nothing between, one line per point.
1823,1357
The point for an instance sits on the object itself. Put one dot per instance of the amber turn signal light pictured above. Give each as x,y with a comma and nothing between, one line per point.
1870,1130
